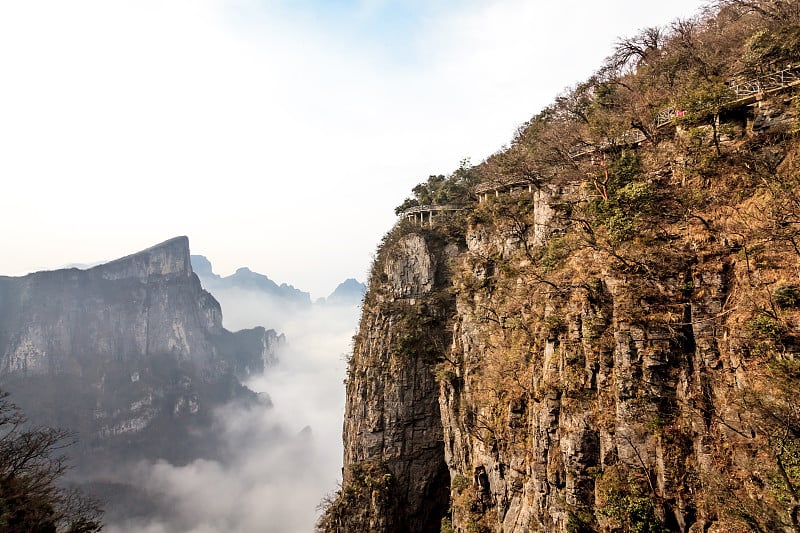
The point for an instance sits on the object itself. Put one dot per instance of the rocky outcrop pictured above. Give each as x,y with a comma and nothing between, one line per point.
395,478
774,113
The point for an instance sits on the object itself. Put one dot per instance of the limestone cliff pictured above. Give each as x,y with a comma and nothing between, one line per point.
605,338
394,435
131,354
564,387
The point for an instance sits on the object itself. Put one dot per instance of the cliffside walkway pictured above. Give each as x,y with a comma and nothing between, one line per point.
496,188
426,214
629,138
768,83
744,93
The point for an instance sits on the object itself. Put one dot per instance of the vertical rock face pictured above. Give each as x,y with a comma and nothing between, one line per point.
585,380
395,477
66,321
127,348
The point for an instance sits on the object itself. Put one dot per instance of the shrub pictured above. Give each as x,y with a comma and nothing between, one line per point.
627,504
554,253
787,296
765,326
620,226
447,526
460,483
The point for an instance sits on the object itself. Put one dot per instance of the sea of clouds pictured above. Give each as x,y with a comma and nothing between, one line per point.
278,461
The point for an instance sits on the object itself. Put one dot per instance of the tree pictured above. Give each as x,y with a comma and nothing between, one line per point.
441,190
777,10
31,464
704,103
633,51
776,47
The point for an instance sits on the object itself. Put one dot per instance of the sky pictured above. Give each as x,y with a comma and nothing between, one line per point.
276,134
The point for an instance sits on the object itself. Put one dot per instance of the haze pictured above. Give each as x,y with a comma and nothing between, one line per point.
277,134
277,462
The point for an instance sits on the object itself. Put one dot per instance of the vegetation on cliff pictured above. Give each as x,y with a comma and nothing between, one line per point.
622,352
31,467
454,189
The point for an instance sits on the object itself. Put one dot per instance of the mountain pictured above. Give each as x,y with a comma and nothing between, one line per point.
245,279
598,328
349,292
251,298
123,313
130,354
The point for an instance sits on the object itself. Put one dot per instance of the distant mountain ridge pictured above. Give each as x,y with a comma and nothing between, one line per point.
246,279
349,292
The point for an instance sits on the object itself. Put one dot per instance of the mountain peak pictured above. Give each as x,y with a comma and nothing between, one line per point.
202,266
348,292
246,279
169,258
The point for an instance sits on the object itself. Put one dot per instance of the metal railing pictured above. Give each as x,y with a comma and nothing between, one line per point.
665,116
625,139
768,82
417,209
497,185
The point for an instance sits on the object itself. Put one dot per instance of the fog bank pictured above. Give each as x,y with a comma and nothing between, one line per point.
277,461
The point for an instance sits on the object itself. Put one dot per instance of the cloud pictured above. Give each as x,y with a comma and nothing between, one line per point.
269,129
271,482
276,463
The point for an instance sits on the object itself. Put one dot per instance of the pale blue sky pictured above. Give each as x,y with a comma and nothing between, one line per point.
276,134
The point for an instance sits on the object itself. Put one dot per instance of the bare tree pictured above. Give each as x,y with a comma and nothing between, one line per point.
632,51
31,465
778,10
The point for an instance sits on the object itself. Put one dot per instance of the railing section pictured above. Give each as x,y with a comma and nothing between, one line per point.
768,82
428,209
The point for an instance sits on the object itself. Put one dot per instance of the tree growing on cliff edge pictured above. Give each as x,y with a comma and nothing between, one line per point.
779,10
31,465
440,190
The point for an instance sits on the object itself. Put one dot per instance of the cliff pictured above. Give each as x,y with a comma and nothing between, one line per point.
131,354
396,477
605,337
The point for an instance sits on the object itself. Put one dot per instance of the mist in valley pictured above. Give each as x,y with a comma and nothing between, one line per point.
277,459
